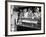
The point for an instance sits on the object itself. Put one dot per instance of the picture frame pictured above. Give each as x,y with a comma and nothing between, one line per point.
21,5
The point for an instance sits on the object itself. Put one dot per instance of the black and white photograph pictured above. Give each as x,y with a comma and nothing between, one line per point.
25,18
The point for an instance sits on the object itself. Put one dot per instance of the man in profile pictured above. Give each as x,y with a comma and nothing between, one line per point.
14,20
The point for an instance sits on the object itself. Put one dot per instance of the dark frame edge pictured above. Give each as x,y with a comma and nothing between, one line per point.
44,18
27,34
27,2
6,31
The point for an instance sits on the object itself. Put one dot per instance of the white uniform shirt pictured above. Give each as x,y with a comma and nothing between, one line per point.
37,15
26,14
13,21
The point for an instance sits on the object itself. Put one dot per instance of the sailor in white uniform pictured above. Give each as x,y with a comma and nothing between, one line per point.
37,13
25,13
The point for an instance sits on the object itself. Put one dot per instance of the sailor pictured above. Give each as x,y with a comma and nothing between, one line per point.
25,13
30,14
37,13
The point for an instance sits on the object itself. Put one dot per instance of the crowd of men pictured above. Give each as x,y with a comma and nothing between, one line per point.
30,13
25,14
